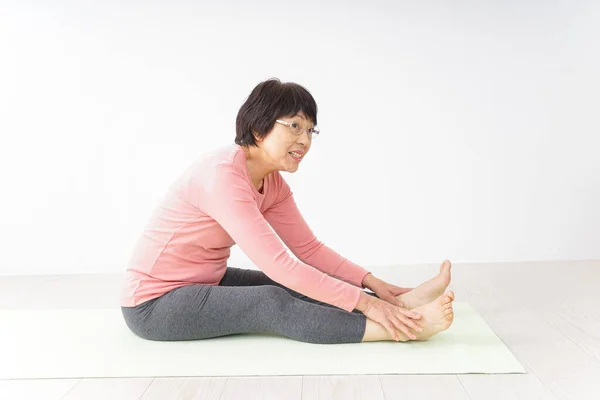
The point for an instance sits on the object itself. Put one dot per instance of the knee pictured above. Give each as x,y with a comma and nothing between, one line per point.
274,291
276,296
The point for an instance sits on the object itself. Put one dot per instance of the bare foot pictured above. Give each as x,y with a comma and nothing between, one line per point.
428,291
437,316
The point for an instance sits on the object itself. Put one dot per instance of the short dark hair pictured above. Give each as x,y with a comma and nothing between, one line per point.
269,101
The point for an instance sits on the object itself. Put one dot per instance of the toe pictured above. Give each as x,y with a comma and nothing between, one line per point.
444,274
447,298
445,266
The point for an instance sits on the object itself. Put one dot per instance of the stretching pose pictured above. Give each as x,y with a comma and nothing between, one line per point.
178,285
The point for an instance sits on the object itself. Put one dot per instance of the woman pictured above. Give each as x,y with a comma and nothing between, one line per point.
178,285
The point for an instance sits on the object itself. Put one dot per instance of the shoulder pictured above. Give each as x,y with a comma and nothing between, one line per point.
228,156
215,170
224,160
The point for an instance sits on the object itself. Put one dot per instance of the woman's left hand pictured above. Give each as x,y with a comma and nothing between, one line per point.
387,291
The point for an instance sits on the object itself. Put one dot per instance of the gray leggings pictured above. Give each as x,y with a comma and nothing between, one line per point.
245,301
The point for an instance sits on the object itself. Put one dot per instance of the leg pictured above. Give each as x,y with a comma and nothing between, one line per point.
205,311
248,277
426,298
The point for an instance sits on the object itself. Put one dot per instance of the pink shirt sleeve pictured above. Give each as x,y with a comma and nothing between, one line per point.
288,222
230,201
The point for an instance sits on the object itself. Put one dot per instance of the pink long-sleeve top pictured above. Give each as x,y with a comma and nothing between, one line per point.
214,205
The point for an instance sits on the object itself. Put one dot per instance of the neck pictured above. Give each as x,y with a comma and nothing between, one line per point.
256,166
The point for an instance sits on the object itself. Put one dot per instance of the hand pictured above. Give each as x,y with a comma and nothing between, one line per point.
385,291
393,318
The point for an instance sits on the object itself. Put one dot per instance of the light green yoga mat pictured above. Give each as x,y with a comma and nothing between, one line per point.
97,343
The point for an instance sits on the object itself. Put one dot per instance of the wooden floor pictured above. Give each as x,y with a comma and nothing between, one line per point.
547,313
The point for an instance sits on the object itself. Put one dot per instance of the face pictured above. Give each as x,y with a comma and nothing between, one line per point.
280,141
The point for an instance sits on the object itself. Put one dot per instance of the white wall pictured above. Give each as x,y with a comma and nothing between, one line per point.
460,130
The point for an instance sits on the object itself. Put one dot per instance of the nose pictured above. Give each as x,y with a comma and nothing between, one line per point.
304,138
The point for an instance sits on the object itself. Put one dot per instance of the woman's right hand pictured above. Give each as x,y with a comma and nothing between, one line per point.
392,317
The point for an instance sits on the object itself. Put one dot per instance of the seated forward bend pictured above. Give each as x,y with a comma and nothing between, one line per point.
178,285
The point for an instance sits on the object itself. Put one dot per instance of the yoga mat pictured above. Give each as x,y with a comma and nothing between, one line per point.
96,343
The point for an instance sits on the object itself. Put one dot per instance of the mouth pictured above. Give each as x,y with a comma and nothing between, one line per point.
296,155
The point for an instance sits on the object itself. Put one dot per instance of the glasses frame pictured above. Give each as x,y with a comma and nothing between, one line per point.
312,132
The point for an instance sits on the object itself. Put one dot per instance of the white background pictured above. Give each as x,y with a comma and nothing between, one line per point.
466,130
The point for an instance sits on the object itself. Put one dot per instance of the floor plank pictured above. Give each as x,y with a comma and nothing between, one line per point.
28,389
263,388
505,387
401,387
109,388
342,387
185,388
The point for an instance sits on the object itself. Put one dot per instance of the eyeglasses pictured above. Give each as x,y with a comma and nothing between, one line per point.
297,129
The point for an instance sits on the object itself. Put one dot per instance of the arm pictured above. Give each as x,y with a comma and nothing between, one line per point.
229,199
287,221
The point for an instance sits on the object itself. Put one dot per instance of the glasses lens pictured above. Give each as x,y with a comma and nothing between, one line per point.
296,128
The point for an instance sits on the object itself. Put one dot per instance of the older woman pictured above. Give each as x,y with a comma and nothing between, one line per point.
178,285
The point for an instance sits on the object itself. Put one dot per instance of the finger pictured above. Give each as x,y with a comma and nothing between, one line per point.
392,331
391,300
409,322
410,314
398,302
409,319
406,330
402,327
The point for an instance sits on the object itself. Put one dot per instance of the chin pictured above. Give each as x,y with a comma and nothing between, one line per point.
292,168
